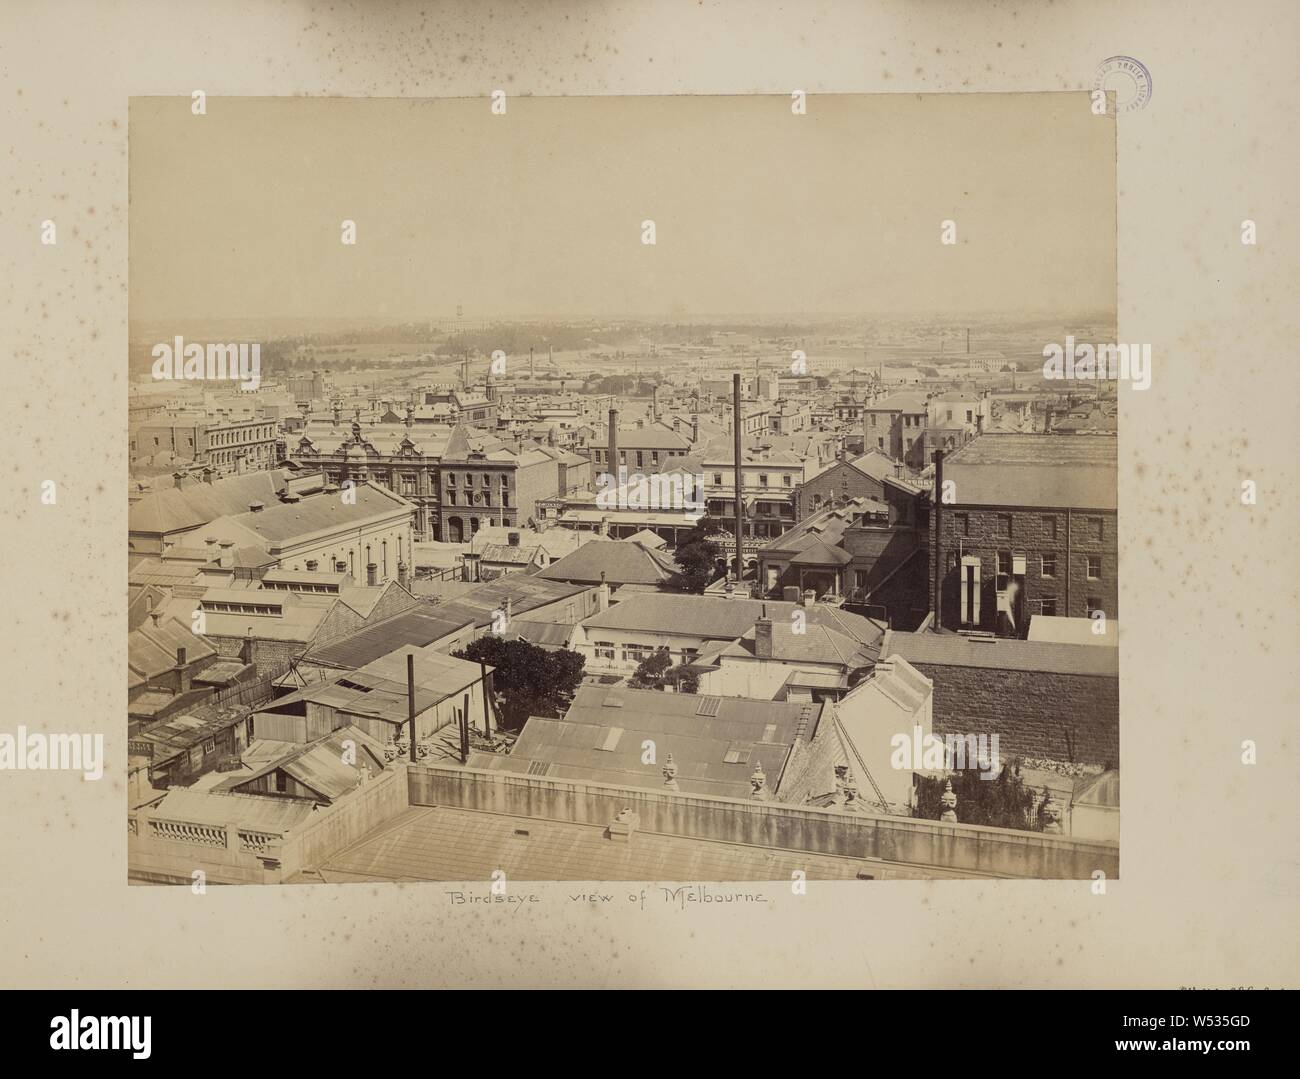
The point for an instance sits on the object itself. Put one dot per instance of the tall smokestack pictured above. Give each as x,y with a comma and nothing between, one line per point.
937,588
532,363
410,698
968,341
740,498
613,444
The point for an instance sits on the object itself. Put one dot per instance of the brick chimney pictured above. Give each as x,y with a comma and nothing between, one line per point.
227,557
402,575
372,574
613,442
763,637
182,671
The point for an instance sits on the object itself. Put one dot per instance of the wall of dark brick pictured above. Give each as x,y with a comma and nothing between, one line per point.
1062,717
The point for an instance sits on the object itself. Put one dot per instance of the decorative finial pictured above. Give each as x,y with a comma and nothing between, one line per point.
670,774
758,780
949,800
1052,815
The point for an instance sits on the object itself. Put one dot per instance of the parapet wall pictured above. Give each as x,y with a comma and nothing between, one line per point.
995,852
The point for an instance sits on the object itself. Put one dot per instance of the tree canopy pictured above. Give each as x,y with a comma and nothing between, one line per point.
528,680
697,555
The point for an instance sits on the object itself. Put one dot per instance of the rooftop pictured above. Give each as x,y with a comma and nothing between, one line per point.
1001,653
1035,470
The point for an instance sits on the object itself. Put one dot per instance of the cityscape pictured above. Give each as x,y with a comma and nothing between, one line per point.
811,575
406,610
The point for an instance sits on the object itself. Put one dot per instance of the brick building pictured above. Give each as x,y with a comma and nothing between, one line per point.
1032,530
1047,701
898,425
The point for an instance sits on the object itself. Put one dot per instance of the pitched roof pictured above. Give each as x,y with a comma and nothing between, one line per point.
615,561
716,742
280,522
173,509
719,618
419,626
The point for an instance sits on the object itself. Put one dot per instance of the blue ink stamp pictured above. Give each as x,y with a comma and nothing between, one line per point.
1130,80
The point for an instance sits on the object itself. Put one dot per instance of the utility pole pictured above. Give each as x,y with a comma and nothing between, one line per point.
740,496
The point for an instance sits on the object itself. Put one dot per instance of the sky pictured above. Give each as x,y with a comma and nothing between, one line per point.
238,213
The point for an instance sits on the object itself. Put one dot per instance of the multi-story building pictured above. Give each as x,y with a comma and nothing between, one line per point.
898,425
364,532
224,442
1031,529
459,479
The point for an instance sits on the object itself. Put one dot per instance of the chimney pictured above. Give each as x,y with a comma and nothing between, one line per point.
1047,421
763,636
532,363
210,545
509,605
809,597
512,539
372,574
246,650
602,594
256,507
740,492
182,671
758,781
402,575
937,587
208,475
654,407
227,557
695,427
604,525
613,443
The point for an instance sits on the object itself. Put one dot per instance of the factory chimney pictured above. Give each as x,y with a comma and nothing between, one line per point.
740,497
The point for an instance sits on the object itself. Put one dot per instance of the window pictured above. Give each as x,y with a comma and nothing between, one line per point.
451,479
640,459
1048,605
1004,524
762,479
950,414
717,479
1093,604
1094,525
1049,527
861,577
635,653
880,443
1004,562
451,498
963,523
788,480
1049,565
1094,567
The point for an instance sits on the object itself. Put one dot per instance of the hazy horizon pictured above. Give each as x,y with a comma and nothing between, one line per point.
833,215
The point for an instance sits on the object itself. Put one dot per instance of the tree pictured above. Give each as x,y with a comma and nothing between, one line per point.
697,555
528,680
1004,802
650,671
